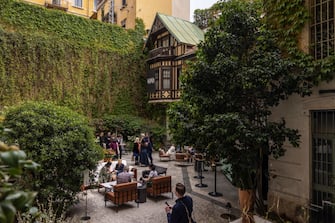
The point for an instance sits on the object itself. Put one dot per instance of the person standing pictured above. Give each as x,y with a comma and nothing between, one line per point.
108,139
150,147
102,140
136,150
181,212
120,144
115,145
144,150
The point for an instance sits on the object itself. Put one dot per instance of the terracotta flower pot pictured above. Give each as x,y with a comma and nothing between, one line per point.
247,201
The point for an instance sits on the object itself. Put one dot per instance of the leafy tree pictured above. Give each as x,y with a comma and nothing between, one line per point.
61,141
203,17
239,76
13,198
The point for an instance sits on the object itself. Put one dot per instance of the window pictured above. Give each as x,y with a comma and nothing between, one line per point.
166,79
165,42
124,3
123,23
322,28
78,3
179,69
323,164
56,2
156,79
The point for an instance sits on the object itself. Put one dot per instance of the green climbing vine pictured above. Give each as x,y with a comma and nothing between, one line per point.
84,64
286,19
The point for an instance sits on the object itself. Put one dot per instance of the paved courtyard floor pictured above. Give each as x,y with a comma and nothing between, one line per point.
206,208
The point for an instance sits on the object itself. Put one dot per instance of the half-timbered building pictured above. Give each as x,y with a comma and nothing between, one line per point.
171,42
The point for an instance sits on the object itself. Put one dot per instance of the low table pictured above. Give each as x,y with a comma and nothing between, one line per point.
108,185
142,193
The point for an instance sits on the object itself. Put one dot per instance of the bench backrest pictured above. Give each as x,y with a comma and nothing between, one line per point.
161,184
180,155
125,192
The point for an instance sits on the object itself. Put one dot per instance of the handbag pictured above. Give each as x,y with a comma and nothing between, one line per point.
190,220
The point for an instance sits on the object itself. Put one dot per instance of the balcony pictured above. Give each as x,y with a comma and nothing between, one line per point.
161,52
57,4
164,96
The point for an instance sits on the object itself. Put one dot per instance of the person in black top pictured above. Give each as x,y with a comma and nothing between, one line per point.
136,150
181,212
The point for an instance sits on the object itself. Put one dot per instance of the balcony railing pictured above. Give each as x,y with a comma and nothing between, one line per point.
164,96
161,51
57,4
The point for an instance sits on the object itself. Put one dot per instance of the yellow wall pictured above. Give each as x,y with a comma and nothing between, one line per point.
127,12
144,9
147,9
87,9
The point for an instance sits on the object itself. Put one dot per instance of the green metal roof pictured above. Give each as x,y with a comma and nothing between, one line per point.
184,31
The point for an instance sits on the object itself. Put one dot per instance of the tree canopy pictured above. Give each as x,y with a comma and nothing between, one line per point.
61,141
239,76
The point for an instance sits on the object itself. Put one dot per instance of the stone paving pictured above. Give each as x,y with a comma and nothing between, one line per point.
206,208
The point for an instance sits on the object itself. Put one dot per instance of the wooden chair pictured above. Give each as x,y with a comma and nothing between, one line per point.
160,185
122,193
163,156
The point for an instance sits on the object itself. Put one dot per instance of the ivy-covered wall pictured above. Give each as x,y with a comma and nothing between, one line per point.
92,67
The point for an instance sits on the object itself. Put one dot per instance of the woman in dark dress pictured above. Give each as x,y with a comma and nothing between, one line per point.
136,150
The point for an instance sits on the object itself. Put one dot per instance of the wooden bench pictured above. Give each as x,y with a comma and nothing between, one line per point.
163,156
181,157
122,193
160,185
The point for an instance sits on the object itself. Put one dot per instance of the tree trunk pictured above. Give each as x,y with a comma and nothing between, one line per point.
247,201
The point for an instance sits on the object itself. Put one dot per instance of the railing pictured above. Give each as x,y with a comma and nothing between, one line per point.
58,4
164,96
161,51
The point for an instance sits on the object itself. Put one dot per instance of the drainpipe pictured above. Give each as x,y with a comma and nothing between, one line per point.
111,12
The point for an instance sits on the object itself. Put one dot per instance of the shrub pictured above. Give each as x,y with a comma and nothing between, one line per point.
61,141
13,165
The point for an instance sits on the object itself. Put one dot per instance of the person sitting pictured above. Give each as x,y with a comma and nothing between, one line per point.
105,173
119,167
123,177
171,150
189,154
153,173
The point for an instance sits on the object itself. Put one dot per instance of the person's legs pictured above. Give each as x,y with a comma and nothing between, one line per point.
136,158
150,157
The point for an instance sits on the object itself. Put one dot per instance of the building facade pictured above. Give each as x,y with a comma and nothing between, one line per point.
302,183
85,8
171,42
124,12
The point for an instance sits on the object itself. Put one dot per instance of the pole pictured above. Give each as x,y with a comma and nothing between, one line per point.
215,194
86,217
111,12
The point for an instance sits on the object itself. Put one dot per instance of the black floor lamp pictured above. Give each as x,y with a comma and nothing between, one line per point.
86,217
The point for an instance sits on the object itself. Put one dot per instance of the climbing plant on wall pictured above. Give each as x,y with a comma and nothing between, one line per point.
92,67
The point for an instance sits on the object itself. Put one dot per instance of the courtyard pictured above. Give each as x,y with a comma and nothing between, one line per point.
206,208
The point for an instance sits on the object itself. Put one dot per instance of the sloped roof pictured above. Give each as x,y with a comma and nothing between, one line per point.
184,31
